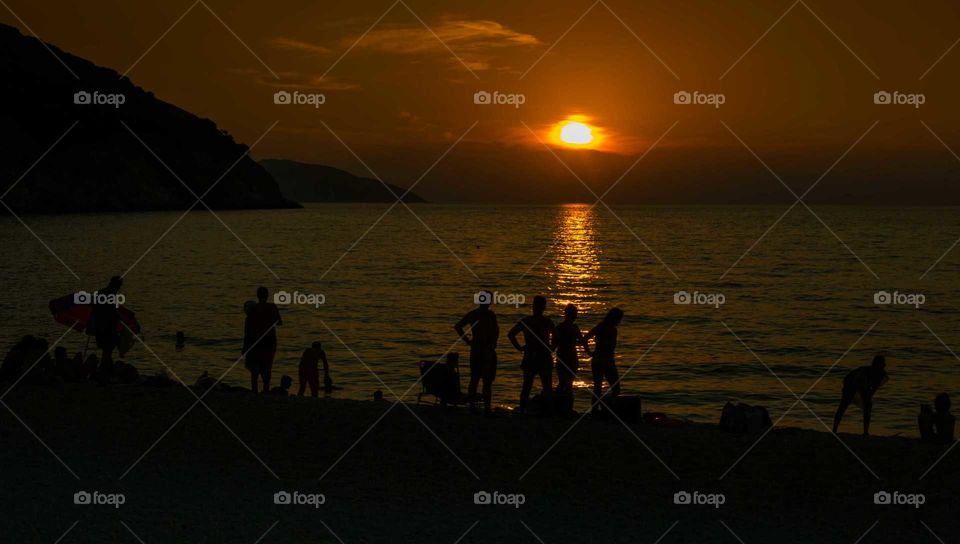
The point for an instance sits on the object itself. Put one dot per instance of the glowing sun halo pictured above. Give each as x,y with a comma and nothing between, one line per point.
576,133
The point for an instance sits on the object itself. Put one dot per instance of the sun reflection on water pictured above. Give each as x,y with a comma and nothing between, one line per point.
575,263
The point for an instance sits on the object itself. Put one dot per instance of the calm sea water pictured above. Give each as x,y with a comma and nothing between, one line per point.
799,300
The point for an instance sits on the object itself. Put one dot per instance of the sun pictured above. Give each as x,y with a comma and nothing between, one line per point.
576,133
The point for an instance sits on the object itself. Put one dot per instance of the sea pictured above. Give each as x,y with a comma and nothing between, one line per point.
765,305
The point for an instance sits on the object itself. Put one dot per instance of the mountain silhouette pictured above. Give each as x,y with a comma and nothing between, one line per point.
100,165
306,182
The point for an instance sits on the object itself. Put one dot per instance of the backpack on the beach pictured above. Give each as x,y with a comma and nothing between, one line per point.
744,418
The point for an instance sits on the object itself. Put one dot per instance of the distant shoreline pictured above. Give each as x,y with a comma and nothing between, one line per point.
303,205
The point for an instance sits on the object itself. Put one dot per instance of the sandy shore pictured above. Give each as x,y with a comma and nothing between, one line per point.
200,483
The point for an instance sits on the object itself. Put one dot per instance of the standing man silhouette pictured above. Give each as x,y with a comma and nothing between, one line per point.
604,362
260,342
538,331
484,333
565,341
106,322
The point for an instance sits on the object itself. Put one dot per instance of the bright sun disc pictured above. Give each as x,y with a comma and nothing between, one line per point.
576,133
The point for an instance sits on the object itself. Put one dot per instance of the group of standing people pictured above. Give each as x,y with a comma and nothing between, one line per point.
544,346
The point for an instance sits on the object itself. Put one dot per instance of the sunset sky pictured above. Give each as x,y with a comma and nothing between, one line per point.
797,79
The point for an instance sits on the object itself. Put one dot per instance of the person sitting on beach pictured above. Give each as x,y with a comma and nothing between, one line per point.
205,382
943,420
484,332
286,382
565,341
39,367
310,372
89,367
604,362
15,362
61,364
124,372
537,331
925,423
859,386
76,367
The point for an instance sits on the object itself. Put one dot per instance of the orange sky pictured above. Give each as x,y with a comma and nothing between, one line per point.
400,93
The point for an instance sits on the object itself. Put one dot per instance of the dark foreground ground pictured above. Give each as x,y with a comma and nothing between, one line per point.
200,483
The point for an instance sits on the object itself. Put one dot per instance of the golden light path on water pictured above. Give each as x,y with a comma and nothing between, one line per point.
575,263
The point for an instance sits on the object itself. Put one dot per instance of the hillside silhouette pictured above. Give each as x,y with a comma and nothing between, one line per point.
305,182
100,166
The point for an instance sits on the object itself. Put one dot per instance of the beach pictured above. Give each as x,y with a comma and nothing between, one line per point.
392,474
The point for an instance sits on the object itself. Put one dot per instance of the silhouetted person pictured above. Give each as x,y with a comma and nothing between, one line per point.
249,337
260,339
860,385
76,367
925,423
37,363
90,367
537,330
181,340
14,363
106,322
484,333
943,420
310,371
604,362
565,340
378,395
61,364
286,382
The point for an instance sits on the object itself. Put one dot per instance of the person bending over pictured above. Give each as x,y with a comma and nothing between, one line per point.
859,387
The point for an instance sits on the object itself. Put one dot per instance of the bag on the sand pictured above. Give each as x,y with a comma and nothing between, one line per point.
563,402
627,408
744,418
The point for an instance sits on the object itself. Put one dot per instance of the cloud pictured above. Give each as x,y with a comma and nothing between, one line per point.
299,45
299,81
473,40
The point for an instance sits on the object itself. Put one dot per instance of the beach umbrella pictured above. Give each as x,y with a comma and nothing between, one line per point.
67,311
